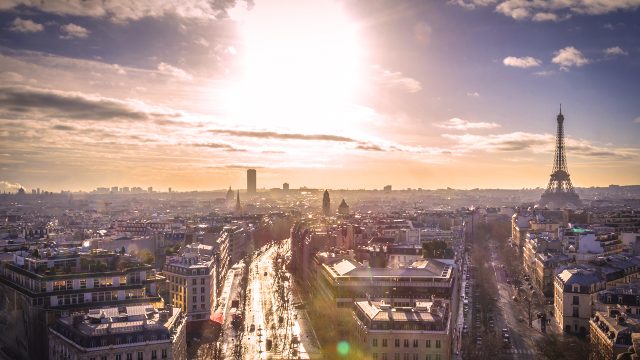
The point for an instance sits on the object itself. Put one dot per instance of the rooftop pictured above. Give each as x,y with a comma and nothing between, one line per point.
119,325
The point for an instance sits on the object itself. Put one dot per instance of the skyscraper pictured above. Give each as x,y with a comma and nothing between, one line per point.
251,181
326,203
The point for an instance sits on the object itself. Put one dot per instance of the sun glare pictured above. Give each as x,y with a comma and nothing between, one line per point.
300,72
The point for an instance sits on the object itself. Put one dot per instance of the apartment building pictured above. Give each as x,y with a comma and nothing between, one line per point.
39,285
192,281
139,332
412,333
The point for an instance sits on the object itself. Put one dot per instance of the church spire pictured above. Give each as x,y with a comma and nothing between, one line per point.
238,206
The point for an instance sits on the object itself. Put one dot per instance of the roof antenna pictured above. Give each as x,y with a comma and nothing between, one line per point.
560,108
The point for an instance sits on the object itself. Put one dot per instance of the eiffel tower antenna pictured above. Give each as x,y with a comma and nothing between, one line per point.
560,192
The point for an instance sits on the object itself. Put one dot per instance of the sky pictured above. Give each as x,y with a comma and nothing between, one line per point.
329,94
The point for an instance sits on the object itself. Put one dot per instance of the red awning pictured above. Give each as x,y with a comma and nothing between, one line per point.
217,317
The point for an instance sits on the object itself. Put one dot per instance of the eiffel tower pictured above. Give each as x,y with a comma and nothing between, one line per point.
560,192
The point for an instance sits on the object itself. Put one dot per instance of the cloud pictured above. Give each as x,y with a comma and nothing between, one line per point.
174,71
370,147
536,143
637,120
25,26
521,62
10,76
70,31
282,136
473,94
568,57
615,51
126,10
471,4
459,124
551,10
22,102
7,186
545,16
63,127
221,146
396,80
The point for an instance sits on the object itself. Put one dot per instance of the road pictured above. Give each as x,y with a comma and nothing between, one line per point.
270,299
512,315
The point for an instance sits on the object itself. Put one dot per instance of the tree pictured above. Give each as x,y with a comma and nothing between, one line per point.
147,257
436,249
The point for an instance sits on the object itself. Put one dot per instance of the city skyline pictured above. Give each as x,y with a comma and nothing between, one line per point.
461,94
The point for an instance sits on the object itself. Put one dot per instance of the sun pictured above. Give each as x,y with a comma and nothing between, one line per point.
301,68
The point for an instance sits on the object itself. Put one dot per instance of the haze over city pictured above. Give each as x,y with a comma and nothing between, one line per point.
324,94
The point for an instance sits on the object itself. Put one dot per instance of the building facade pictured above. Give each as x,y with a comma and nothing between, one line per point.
192,283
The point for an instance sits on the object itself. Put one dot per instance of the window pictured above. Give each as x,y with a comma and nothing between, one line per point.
195,307
195,299
129,356
375,356
576,300
202,290
59,285
415,343
374,342
154,354
396,356
103,358
384,344
140,355
202,298
384,356
397,342
415,356
202,306
164,353
437,356
194,282
83,284
428,343
202,281
406,356
576,311
406,342
118,356
437,344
